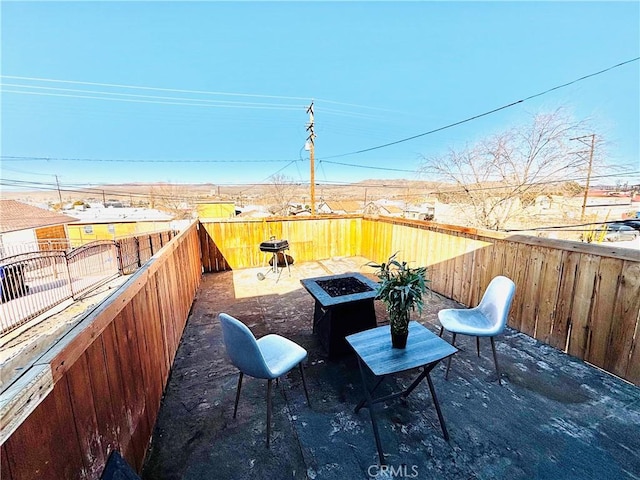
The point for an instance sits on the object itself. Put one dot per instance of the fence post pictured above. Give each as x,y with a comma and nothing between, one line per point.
66,262
119,257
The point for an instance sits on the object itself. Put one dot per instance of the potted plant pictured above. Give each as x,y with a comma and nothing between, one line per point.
400,288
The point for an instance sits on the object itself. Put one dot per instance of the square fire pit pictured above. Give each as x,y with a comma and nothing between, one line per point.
344,305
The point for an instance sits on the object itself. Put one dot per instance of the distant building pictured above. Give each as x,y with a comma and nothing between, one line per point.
111,223
419,213
387,210
216,209
339,207
298,209
25,228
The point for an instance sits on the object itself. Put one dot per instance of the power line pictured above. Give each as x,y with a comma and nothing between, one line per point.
130,100
11,158
78,188
475,117
199,92
159,89
563,227
368,166
456,189
137,95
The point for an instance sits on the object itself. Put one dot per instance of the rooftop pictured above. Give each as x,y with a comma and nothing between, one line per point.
16,215
554,416
119,215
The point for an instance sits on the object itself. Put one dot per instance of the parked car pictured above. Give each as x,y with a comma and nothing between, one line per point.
633,223
619,232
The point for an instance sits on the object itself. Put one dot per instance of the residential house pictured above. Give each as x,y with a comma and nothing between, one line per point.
385,209
25,228
339,207
424,212
111,223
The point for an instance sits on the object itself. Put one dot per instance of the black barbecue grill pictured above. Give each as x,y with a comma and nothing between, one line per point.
276,248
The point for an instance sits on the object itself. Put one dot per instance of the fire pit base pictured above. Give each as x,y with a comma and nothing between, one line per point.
331,325
336,315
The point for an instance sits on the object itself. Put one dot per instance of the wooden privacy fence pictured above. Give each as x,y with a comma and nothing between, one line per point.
133,252
580,298
231,244
99,388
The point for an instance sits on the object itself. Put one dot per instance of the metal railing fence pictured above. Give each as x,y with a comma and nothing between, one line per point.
32,283
11,249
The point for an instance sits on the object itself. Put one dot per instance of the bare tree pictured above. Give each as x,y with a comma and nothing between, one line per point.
280,194
494,180
173,198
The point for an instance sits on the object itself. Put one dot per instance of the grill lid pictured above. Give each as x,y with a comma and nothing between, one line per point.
274,245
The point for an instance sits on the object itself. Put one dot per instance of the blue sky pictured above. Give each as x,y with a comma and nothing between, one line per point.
222,88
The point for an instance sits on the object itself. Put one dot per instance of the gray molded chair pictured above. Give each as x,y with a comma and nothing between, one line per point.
269,357
488,319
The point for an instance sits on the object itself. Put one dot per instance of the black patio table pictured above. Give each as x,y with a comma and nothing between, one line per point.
373,349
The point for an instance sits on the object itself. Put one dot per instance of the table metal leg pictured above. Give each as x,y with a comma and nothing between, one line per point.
363,401
425,372
369,405
435,402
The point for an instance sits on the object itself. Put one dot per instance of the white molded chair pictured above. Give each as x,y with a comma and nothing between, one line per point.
269,357
488,319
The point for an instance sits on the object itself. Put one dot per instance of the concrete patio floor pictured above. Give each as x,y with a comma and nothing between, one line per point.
554,417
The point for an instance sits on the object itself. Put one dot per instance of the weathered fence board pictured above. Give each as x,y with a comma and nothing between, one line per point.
52,422
102,397
626,316
118,396
93,452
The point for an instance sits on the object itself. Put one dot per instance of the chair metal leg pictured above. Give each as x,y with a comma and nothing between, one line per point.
286,262
268,411
304,384
235,408
441,330
453,342
495,359
478,346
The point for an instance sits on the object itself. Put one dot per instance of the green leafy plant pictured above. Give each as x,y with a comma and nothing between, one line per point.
401,289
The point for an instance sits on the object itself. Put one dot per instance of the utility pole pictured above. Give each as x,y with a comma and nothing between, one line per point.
310,140
59,194
586,188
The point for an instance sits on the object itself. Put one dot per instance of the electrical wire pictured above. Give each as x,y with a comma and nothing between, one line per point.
155,97
475,117
130,100
562,227
198,92
11,158
159,89
367,166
